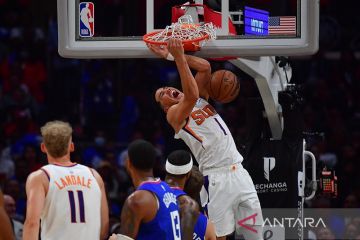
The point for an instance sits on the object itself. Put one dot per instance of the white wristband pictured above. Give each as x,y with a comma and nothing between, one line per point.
170,57
123,237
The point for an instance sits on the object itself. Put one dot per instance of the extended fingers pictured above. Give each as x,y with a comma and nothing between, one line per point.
174,42
151,47
178,42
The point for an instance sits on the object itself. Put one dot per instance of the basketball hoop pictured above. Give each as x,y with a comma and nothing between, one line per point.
193,35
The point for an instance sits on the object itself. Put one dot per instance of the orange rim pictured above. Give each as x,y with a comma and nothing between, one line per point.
146,39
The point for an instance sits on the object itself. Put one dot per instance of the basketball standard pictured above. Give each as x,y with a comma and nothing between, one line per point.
253,37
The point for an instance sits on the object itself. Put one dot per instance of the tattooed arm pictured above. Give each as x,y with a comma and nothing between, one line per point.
189,212
139,207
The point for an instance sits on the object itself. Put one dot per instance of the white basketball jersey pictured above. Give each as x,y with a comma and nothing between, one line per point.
208,138
72,204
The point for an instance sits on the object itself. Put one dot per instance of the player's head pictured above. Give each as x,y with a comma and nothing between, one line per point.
57,139
141,156
9,205
194,183
168,96
179,164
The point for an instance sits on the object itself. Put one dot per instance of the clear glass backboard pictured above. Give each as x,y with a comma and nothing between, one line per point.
114,29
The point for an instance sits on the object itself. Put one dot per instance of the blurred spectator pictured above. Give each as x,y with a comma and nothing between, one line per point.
10,208
122,158
94,153
34,75
324,233
116,186
7,166
128,116
351,201
351,231
17,192
32,158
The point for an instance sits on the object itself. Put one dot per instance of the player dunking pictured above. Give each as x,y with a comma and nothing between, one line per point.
195,121
69,198
178,170
151,212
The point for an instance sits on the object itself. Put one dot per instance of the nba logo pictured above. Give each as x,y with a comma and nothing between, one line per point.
86,18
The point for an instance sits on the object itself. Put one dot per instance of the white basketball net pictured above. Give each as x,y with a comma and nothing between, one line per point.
182,30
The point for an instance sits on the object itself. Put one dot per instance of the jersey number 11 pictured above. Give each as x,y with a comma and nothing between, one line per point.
73,206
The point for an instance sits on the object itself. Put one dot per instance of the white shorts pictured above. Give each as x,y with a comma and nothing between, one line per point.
229,194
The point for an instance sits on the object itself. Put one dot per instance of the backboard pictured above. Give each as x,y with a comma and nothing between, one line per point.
114,29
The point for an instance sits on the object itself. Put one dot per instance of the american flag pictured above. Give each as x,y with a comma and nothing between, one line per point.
284,25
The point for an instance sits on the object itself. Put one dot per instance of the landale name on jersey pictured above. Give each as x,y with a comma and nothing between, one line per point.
169,198
271,187
72,180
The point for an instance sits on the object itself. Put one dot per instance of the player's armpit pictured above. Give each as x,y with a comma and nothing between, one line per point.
189,212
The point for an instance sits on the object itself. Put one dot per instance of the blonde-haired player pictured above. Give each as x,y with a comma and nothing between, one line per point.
69,198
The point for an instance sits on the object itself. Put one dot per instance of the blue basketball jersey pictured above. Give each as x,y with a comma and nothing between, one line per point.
201,224
166,224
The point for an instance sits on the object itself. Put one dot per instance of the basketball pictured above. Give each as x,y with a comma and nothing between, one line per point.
224,86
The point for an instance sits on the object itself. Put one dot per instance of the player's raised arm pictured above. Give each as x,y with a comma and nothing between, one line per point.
200,65
178,113
36,193
203,75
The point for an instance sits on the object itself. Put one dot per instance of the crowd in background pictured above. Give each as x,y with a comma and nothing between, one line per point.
110,102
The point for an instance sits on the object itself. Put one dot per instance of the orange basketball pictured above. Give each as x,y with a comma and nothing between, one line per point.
224,86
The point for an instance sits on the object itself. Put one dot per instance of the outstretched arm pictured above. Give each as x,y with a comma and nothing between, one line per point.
189,213
200,65
178,113
203,74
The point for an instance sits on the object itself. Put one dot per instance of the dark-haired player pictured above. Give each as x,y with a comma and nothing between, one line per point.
229,187
151,212
179,166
